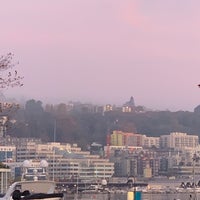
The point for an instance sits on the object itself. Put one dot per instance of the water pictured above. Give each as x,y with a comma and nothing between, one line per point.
96,196
175,196
122,196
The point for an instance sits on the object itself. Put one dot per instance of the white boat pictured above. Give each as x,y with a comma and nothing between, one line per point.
33,185
32,190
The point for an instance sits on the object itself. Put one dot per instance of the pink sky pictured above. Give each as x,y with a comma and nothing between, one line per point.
105,51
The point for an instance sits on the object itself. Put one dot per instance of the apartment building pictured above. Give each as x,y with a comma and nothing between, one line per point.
148,142
116,138
179,140
119,138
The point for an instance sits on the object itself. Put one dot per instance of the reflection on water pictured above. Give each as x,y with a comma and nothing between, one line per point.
121,196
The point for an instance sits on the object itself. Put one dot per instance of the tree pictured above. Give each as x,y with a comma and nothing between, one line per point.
11,78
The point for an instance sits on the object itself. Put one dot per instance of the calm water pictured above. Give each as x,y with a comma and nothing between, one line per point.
145,196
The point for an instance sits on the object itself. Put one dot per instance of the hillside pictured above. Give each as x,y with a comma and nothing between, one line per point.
86,127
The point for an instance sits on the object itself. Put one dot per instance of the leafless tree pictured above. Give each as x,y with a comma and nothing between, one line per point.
9,77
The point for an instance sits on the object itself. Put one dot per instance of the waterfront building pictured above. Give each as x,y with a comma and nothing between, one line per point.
66,161
81,168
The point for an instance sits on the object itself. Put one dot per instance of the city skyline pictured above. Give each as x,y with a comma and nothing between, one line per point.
104,52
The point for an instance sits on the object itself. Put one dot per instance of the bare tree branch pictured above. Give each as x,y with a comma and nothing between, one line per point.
9,77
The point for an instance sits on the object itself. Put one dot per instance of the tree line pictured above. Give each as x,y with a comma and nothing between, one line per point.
57,123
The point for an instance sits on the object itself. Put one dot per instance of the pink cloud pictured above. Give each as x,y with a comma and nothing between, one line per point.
130,13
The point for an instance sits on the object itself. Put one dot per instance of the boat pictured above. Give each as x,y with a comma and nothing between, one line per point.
33,185
32,190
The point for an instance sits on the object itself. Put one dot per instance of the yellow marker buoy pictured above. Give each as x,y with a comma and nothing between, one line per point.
130,196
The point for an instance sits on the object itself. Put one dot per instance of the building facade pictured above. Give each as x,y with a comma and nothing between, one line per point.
179,140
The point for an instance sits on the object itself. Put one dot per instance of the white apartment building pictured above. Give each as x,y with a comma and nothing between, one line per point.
150,141
179,140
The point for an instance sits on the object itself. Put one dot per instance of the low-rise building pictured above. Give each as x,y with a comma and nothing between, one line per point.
66,161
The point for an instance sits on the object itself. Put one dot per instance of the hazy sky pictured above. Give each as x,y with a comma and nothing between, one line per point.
104,51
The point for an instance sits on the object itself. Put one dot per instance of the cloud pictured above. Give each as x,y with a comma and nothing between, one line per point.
130,14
